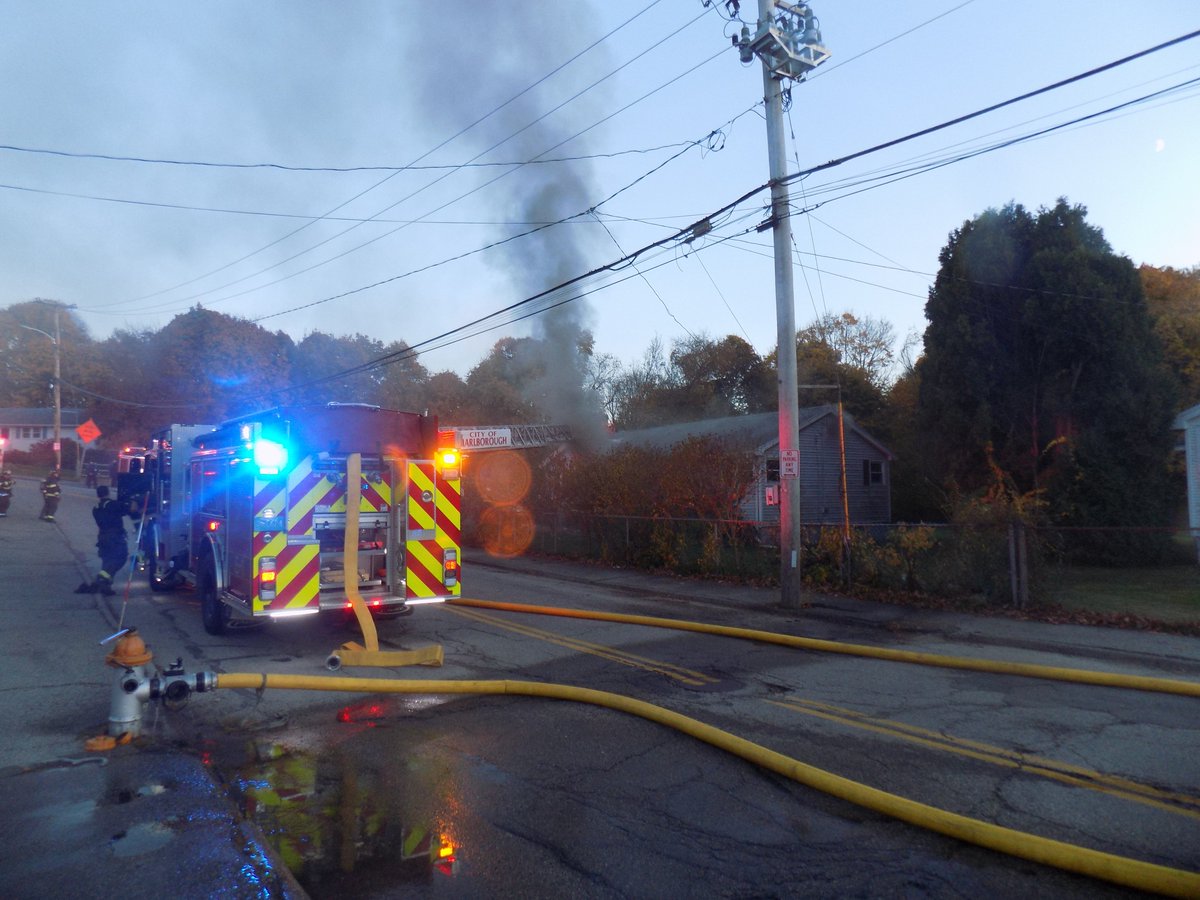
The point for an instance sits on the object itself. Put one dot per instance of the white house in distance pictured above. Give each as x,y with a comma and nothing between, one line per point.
25,427
1188,422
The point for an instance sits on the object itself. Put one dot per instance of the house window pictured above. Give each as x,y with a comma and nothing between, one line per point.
872,471
772,470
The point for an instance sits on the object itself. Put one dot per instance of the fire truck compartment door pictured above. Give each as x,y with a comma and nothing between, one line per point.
422,503
431,528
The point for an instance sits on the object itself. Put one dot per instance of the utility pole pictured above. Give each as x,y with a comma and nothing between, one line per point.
788,41
56,340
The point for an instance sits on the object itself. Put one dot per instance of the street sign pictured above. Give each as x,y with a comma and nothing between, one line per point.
789,463
88,431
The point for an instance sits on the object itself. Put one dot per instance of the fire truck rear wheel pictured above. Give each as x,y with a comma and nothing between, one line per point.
214,613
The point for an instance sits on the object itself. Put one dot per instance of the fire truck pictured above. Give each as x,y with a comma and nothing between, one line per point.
253,512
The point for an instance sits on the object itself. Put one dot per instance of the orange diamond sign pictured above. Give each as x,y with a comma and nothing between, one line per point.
88,431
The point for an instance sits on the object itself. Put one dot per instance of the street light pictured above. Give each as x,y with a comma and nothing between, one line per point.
55,339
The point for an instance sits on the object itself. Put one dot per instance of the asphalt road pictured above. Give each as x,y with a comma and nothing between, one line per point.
538,798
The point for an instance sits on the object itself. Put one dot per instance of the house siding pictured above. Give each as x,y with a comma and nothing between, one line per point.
25,428
821,478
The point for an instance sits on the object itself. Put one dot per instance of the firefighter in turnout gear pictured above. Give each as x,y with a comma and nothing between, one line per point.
110,543
6,489
51,493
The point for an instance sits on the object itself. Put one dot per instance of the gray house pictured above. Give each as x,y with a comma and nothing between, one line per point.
25,427
868,463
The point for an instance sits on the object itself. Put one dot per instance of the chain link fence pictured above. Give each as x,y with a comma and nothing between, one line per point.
1120,571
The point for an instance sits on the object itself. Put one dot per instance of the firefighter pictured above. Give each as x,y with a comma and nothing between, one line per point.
51,493
6,489
111,544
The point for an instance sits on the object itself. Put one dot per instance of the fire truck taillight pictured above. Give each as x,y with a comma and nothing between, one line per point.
450,566
266,578
450,463
271,457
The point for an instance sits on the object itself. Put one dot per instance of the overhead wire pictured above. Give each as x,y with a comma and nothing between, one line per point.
489,246
825,70
284,167
682,234
720,293
435,181
425,155
642,275
501,317
941,126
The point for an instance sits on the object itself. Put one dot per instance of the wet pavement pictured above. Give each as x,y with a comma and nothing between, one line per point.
131,823
152,819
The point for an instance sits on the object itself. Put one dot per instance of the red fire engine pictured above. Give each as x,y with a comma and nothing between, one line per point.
252,512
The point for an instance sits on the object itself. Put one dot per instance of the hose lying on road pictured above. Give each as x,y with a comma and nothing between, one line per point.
998,667
1082,860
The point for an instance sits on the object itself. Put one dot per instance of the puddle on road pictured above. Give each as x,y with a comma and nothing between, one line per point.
142,838
350,804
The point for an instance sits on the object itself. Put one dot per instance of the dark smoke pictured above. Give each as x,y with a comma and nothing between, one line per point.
517,45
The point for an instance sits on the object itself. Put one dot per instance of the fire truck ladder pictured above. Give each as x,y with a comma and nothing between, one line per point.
520,436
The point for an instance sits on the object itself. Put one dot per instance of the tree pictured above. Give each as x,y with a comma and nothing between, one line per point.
917,492
864,345
721,378
220,365
817,363
637,393
502,385
124,410
1173,296
823,349
603,378
27,363
702,379
403,383
448,397
1040,356
537,380
390,375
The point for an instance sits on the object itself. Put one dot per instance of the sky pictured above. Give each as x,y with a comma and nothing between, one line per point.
376,167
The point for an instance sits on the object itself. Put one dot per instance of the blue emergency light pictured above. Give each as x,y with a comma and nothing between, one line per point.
270,456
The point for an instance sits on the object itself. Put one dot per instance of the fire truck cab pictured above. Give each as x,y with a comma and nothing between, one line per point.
252,512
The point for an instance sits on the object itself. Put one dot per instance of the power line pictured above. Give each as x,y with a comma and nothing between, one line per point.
387,178
995,106
497,243
437,180
412,167
825,70
684,233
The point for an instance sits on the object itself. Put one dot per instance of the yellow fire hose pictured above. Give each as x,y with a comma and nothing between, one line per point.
1028,670
352,653
1070,857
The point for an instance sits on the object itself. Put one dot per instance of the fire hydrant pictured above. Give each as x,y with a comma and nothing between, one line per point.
133,687
130,656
